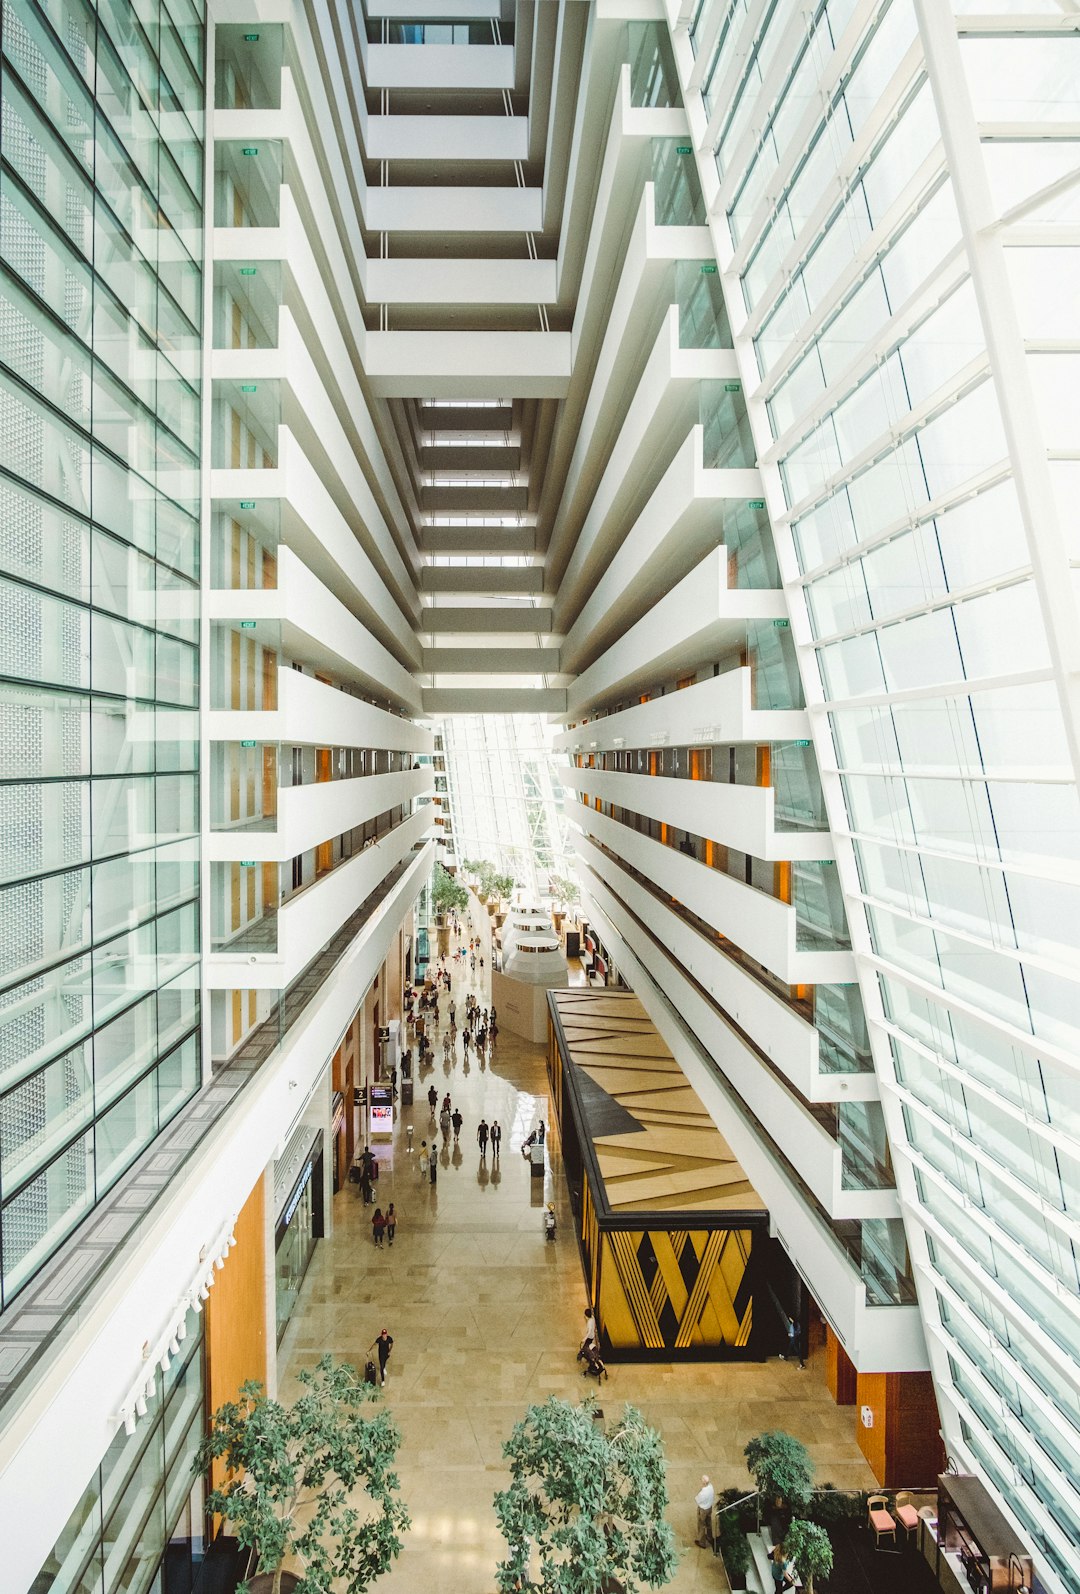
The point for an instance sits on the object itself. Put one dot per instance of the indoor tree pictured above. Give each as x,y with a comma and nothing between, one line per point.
564,889
447,894
781,1468
811,1549
312,1483
587,1505
504,886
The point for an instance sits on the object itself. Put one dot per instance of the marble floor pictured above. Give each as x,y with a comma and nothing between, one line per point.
487,1316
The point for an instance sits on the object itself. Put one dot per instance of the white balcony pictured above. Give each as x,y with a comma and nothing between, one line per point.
699,621
717,709
440,66
312,714
308,920
318,628
763,926
661,414
737,816
677,527
308,815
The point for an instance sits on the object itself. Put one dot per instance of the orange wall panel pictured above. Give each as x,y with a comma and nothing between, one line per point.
236,1310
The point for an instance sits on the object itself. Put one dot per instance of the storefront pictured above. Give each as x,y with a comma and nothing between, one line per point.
299,1226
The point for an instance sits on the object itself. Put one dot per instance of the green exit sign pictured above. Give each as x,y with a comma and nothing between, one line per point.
247,863
732,387
249,271
709,269
247,744
781,625
683,149
251,149
251,38
755,503
802,744
247,503
249,387
249,625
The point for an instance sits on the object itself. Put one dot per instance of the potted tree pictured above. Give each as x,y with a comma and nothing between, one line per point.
292,1482
782,1470
587,1505
811,1549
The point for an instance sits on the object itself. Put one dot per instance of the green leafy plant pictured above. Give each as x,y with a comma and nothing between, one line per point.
781,1467
811,1550
587,1506
293,1475
830,1505
504,885
447,894
734,1549
564,890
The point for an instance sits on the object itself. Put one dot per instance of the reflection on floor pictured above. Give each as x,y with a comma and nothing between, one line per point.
487,1317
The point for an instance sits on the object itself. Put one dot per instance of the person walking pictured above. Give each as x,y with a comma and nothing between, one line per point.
422,1159
447,1104
383,1344
491,1015
482,1136
705,1499
378,1226
432,1101
391,1223
444,1125
465,1043
447,1049
496,1138
453,1013
540,1133
433,1163
589,1337
456,1121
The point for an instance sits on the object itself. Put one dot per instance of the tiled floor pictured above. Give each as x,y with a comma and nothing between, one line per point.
486,1318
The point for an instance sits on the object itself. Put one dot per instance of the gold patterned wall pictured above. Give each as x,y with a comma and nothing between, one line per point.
677,1290
639,1145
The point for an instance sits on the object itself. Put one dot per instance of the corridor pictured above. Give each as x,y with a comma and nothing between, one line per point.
486,1318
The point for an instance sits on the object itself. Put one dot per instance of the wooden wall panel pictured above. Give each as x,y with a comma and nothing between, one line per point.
904,1446
871,1391
236,1310
840,1374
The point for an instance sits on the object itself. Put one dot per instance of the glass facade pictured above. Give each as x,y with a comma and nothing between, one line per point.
918,394
101,144
139,1526
505,797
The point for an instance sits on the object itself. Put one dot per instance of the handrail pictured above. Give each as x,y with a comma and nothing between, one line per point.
720,1509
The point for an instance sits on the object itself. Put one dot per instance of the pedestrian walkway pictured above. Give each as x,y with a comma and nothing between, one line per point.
487,1316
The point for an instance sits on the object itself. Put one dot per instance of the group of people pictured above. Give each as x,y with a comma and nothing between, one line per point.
484,1134
383,1224
449,1116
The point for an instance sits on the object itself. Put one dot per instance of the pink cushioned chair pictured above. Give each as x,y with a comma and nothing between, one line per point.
880,1519
906,1515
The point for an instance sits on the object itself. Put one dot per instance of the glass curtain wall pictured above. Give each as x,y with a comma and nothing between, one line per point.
505,797
101,211
921,399
139,1527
